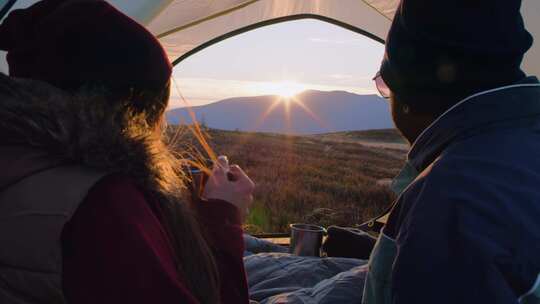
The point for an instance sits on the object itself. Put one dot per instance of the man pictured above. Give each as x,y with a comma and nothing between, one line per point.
467,227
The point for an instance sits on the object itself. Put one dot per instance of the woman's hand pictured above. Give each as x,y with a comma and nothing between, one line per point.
230,184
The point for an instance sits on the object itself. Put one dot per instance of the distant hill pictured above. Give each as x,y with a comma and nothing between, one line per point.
334,111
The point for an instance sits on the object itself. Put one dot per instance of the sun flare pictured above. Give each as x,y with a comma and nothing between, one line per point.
289,89
287,93
285,89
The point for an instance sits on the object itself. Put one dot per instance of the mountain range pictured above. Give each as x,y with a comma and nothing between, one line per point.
310,112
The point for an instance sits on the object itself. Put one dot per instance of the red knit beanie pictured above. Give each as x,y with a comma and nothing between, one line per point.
71,43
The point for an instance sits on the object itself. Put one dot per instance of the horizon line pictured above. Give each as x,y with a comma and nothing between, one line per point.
266,95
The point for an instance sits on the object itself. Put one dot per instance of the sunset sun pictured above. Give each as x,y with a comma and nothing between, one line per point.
286,89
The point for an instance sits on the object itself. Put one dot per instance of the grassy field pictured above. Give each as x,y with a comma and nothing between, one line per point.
331,179
378,136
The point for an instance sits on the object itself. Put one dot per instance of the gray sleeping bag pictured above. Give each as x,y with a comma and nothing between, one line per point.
286,279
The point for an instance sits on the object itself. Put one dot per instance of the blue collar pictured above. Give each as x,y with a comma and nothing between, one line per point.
490,107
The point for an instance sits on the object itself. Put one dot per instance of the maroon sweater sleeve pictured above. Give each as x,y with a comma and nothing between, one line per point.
117,251
223,226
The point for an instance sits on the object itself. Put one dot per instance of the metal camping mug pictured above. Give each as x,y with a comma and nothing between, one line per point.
306,240
198,178
196,185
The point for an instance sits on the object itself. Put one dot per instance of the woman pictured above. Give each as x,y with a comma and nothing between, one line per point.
92,203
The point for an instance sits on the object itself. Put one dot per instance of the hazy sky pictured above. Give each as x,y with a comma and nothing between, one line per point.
281,58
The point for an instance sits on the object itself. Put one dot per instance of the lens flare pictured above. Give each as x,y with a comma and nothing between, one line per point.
285,89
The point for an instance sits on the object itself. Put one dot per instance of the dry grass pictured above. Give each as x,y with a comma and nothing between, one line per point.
375,136
309,178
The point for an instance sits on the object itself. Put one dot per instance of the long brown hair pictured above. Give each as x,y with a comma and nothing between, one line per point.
195,261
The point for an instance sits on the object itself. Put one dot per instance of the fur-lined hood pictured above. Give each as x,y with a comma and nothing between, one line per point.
42,126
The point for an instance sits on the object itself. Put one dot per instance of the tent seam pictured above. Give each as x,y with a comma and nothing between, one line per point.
274,21
378,11
214,16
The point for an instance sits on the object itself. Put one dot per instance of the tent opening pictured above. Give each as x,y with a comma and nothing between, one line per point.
294,103
269,23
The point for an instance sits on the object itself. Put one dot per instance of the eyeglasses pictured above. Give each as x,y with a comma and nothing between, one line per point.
382,87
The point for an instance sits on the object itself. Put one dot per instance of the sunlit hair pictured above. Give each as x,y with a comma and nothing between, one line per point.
145,116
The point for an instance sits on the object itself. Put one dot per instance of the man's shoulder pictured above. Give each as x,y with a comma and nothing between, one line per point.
497,145
464,187
474,171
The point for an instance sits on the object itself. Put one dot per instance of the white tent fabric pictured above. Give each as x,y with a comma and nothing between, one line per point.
184,26
180,38
531,13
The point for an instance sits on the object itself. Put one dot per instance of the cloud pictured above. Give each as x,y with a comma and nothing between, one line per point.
341,76
348,80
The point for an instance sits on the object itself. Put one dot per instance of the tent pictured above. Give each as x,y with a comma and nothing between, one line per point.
187,26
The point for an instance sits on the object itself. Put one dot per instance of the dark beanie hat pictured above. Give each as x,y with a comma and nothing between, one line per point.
456,47
70,43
